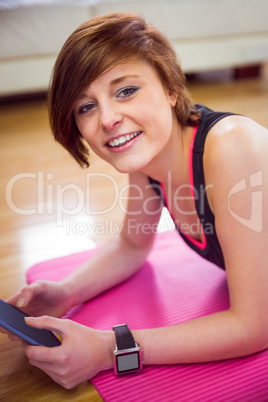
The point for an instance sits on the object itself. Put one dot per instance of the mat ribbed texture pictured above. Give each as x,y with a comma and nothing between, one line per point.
173,286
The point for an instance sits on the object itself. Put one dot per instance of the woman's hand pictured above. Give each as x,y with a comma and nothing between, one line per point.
83,352
43,298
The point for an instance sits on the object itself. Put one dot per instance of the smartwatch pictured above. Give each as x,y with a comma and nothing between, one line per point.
127,354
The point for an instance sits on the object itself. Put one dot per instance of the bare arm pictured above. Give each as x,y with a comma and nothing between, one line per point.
123,256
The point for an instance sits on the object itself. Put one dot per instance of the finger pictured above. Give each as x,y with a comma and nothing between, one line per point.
13,299
50,370
27,294
50,366
47,367
10,335
56,373
23,298
46,322
38,355
3,331
13,337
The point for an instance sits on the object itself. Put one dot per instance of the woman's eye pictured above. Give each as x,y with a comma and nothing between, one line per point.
88,107
126,92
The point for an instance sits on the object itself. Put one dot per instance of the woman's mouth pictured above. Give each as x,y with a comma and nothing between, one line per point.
123,139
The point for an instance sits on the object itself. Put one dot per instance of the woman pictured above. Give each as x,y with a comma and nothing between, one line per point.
118,87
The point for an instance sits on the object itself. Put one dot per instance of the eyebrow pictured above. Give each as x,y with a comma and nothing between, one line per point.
123,78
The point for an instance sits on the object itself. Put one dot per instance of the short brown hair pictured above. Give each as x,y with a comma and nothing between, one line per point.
97,46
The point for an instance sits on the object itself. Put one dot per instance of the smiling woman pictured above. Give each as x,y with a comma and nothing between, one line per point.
111,117
118,87
113,40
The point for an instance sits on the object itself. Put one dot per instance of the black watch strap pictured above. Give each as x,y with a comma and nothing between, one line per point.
124,337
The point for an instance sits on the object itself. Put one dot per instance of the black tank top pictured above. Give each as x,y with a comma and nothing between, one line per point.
210,248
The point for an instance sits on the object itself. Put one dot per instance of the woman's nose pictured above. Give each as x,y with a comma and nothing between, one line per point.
110,116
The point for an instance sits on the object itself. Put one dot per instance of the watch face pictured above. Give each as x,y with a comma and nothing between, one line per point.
128,361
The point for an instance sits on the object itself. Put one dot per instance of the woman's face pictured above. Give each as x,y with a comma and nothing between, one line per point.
126,116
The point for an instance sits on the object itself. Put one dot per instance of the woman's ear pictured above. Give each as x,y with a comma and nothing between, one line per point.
172,99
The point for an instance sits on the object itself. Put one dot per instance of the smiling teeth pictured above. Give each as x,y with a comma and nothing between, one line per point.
123,139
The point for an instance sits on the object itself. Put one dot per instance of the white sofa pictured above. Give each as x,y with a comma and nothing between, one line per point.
207,34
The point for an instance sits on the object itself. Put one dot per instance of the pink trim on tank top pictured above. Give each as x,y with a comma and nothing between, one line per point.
198,244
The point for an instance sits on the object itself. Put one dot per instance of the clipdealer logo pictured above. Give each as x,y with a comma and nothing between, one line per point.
51,197
255,221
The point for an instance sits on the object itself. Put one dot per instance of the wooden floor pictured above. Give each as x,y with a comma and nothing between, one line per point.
51,207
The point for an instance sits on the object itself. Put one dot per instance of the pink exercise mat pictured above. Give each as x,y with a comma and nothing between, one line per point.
173,286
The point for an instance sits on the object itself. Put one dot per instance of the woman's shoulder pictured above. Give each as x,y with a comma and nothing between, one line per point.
235,136
236,147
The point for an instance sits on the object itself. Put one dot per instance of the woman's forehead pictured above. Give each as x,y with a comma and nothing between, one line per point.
130,66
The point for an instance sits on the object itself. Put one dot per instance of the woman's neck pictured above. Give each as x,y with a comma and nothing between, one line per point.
170,166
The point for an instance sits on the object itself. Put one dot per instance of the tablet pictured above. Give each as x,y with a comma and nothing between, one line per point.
12,319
